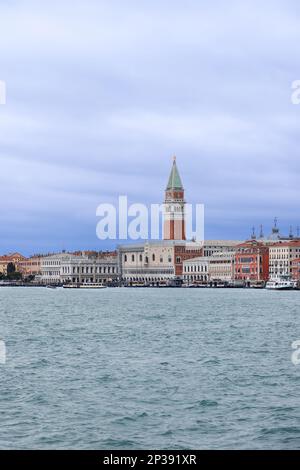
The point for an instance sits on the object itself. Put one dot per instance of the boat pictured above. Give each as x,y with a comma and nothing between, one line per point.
92,285
283,283
258,285
51,287
71,286
88,285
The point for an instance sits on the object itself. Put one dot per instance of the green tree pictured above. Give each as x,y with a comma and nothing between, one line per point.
12,274
11,269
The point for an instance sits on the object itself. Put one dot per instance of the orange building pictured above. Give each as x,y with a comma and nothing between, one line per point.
30,266
252,261
14,258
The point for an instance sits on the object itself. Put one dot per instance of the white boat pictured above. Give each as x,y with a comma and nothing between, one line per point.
283,283
90,285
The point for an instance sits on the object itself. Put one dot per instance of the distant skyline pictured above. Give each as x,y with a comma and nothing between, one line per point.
100,95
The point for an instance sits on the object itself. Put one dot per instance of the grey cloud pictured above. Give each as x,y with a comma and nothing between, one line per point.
101,94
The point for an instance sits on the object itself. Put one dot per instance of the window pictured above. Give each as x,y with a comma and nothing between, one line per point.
125,259
132,258
246,269
178,259
153,257
141,258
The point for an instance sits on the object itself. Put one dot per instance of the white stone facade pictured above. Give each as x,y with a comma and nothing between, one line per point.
67,268
147,262
196,269
219,267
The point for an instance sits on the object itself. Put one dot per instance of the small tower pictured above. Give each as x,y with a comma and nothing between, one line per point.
174,213
253,235
261,235
275,229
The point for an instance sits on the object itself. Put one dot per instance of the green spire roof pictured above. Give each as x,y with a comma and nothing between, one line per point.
174,180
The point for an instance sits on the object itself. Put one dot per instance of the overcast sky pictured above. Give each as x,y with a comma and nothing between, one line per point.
101,94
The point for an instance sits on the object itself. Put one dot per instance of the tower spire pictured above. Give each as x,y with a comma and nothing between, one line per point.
174,179
275,228
261,235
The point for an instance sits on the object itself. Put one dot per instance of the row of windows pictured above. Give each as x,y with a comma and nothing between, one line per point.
284,250
193,269
248,270
150,271
87,280
291,255
143,279
89,269
140,258
197,277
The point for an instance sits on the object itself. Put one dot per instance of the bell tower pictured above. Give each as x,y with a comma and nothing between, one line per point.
174,213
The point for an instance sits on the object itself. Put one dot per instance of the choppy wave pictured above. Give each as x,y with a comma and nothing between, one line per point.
117,370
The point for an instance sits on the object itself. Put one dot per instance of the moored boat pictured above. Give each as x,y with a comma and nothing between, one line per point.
283,283
92,285
88,285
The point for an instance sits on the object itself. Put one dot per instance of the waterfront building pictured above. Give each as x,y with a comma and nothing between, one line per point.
221,267
252,261
64,268
51,269
30,266
89,269
71,268
281,256
13,258
174,213
296,269
3,265
155,261
216,268
196,270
